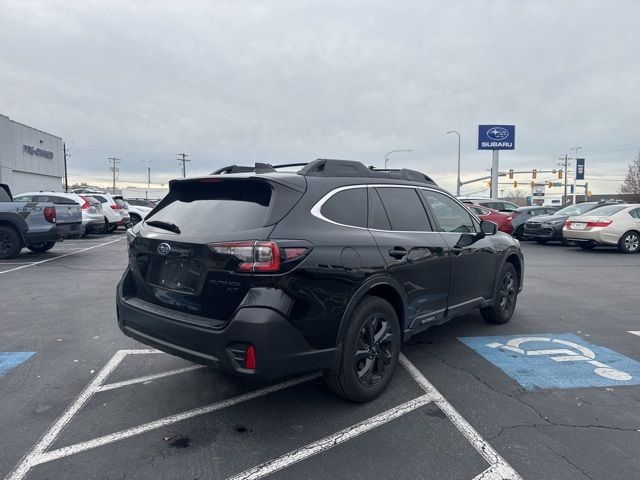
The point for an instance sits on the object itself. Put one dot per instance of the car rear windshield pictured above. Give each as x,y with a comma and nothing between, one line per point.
120,203
210,207
578,209
607,211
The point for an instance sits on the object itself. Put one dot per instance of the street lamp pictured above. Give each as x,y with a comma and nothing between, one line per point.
386,157
458,181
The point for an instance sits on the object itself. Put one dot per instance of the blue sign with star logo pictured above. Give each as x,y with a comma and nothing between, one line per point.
496,137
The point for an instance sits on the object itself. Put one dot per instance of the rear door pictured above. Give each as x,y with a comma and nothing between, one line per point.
191,253
474,259
415,254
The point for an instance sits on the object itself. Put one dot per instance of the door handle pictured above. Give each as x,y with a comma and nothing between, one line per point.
398,252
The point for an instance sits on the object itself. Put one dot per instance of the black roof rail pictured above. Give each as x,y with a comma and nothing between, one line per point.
325,167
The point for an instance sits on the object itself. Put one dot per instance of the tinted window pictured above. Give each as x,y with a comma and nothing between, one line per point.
577,209
120,202
100,198
19,198
635,213
451,216
404,209
348,207
479,211
213,208
377,215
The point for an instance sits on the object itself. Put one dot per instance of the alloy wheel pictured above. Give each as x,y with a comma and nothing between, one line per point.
507,294
631,242
374,350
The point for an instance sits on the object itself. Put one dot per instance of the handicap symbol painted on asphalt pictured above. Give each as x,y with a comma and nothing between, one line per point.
556,361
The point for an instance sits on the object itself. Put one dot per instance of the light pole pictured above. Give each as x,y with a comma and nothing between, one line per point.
575,171
458,180
386,157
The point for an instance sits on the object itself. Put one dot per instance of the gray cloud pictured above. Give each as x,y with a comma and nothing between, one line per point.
234,82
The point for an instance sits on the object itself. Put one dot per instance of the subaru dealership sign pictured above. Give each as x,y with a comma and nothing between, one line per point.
496,137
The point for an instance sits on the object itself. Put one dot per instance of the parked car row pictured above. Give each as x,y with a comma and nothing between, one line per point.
37,220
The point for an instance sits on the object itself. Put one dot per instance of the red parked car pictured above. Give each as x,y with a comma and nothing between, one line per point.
503,220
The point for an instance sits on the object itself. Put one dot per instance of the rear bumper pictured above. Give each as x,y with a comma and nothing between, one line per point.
39,237
600,237
65,229
279,347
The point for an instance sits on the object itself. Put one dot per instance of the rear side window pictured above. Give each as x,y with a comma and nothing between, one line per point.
635,213
607,211
100,198
404,209
347,207
451,216
378,219
212,208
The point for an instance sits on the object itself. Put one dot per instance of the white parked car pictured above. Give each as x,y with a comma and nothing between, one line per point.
92,218
137,212
113,214
613,225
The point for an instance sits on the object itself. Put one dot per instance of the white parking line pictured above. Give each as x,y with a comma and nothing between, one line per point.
635,332
33,264
498,467
331,441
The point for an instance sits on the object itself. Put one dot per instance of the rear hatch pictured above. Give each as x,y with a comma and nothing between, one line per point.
198,250
68,211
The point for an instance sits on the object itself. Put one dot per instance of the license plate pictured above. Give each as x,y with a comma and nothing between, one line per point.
179,275
578,225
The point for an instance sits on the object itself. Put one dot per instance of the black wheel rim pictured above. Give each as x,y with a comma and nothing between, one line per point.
374,350
5,243
507,293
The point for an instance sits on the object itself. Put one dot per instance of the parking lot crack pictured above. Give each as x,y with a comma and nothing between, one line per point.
566,459
545,422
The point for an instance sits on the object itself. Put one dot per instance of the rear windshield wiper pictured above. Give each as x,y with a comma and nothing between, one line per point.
172,227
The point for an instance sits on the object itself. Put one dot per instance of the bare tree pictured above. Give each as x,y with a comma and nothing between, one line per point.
631,184
516,196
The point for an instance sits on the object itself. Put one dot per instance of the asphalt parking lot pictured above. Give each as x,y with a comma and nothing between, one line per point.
554,394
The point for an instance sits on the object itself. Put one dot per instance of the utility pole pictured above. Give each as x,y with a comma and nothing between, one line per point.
458,180
66,156
184,161
114,169
148,163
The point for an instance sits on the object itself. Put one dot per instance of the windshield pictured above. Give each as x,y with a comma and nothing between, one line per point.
607,211
578,209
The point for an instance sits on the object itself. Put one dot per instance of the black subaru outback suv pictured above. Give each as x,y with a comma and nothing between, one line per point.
267,273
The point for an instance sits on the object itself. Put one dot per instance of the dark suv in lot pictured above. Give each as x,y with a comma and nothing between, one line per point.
267,273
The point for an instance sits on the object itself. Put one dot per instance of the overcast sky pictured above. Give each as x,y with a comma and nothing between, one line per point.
233,82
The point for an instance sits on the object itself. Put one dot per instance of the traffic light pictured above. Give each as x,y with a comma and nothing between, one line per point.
515,184
549,184
533,184
489,183
559,174
534,174
511,173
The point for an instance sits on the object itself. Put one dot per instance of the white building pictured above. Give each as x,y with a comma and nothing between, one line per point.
30,159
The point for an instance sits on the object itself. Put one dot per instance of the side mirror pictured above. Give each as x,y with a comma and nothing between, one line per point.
488,228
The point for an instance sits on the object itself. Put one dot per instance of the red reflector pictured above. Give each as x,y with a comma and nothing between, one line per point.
293,253
250,358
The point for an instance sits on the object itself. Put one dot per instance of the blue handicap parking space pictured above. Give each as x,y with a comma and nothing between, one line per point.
556,360
10,360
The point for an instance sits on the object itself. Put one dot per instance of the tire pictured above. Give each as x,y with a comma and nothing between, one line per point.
369,353
519,233
541,241
504,297
588,246
135,219
568,243
41,247
10,243
629,243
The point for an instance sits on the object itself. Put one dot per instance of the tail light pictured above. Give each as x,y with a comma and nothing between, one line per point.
116,207
50,214
599,223
567,223
254,256
86,205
